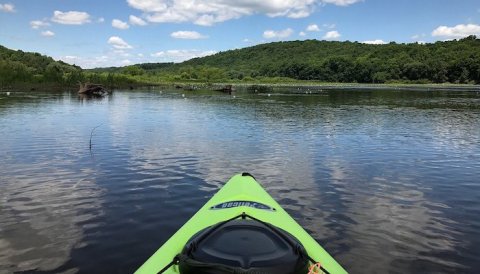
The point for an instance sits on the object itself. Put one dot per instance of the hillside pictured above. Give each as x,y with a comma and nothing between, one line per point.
144,66
451,61
19,69
26,67
456,61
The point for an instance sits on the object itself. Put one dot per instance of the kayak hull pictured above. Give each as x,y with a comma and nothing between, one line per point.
241,194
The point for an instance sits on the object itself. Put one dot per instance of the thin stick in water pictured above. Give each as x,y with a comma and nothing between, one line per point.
91,135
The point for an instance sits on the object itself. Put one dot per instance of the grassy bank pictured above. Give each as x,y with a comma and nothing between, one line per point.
320,85
260,85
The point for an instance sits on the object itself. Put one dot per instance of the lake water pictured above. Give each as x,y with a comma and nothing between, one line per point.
386,181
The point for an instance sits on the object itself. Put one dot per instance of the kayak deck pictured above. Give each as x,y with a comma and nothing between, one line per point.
241,194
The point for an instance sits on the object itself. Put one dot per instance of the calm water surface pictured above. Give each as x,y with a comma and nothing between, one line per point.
386,181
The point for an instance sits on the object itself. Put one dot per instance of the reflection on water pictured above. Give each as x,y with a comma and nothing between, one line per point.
386,181
43,218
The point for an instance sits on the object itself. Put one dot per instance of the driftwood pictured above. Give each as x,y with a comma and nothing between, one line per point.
227,89
92,89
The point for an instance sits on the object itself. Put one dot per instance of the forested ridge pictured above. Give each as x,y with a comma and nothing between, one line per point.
456,61
440,62
33,69
20,66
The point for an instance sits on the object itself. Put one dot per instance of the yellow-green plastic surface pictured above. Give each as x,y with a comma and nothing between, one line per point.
238,188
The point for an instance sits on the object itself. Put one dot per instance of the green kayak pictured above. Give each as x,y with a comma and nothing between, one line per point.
241,229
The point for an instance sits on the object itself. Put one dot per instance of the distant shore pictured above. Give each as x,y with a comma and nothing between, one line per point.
331,86
260,86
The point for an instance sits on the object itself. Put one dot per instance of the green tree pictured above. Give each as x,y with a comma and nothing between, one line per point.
53,73
133,70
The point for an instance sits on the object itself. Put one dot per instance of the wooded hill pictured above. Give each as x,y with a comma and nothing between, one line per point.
31,69
20,66
456,61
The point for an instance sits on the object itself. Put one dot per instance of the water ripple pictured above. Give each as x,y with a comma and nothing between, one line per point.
387,182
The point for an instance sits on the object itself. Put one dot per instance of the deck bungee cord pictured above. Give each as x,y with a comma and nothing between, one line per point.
314,268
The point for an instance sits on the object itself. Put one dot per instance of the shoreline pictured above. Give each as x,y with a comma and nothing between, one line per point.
333,86
261,86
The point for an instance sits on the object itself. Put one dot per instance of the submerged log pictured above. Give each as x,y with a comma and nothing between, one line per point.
92,89
227,89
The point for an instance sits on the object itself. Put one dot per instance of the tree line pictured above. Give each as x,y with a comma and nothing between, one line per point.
19,67
456,61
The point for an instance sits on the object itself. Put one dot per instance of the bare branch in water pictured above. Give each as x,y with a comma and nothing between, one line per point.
91,135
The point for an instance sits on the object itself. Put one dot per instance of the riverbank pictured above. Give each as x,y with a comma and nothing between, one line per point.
59,87
302,86
318,86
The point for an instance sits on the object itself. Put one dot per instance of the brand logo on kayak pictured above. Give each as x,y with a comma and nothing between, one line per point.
242,203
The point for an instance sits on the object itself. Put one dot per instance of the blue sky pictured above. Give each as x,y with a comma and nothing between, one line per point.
113,33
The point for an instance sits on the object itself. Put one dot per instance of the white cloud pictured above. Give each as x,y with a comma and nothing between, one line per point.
137,21
119,24
69,58
313,27
101,20
205,20
122,53
332,35
180,55
374,42
71,17
329,26
118,43
299,14
7,7
47,33
209,12
187,35
90,62
302,33
458,31
341,2
148,5
418,38
271,34
36,24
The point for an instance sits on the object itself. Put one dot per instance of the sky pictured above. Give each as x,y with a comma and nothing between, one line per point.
101,33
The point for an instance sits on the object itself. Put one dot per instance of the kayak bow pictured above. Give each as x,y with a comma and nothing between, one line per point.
240,207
